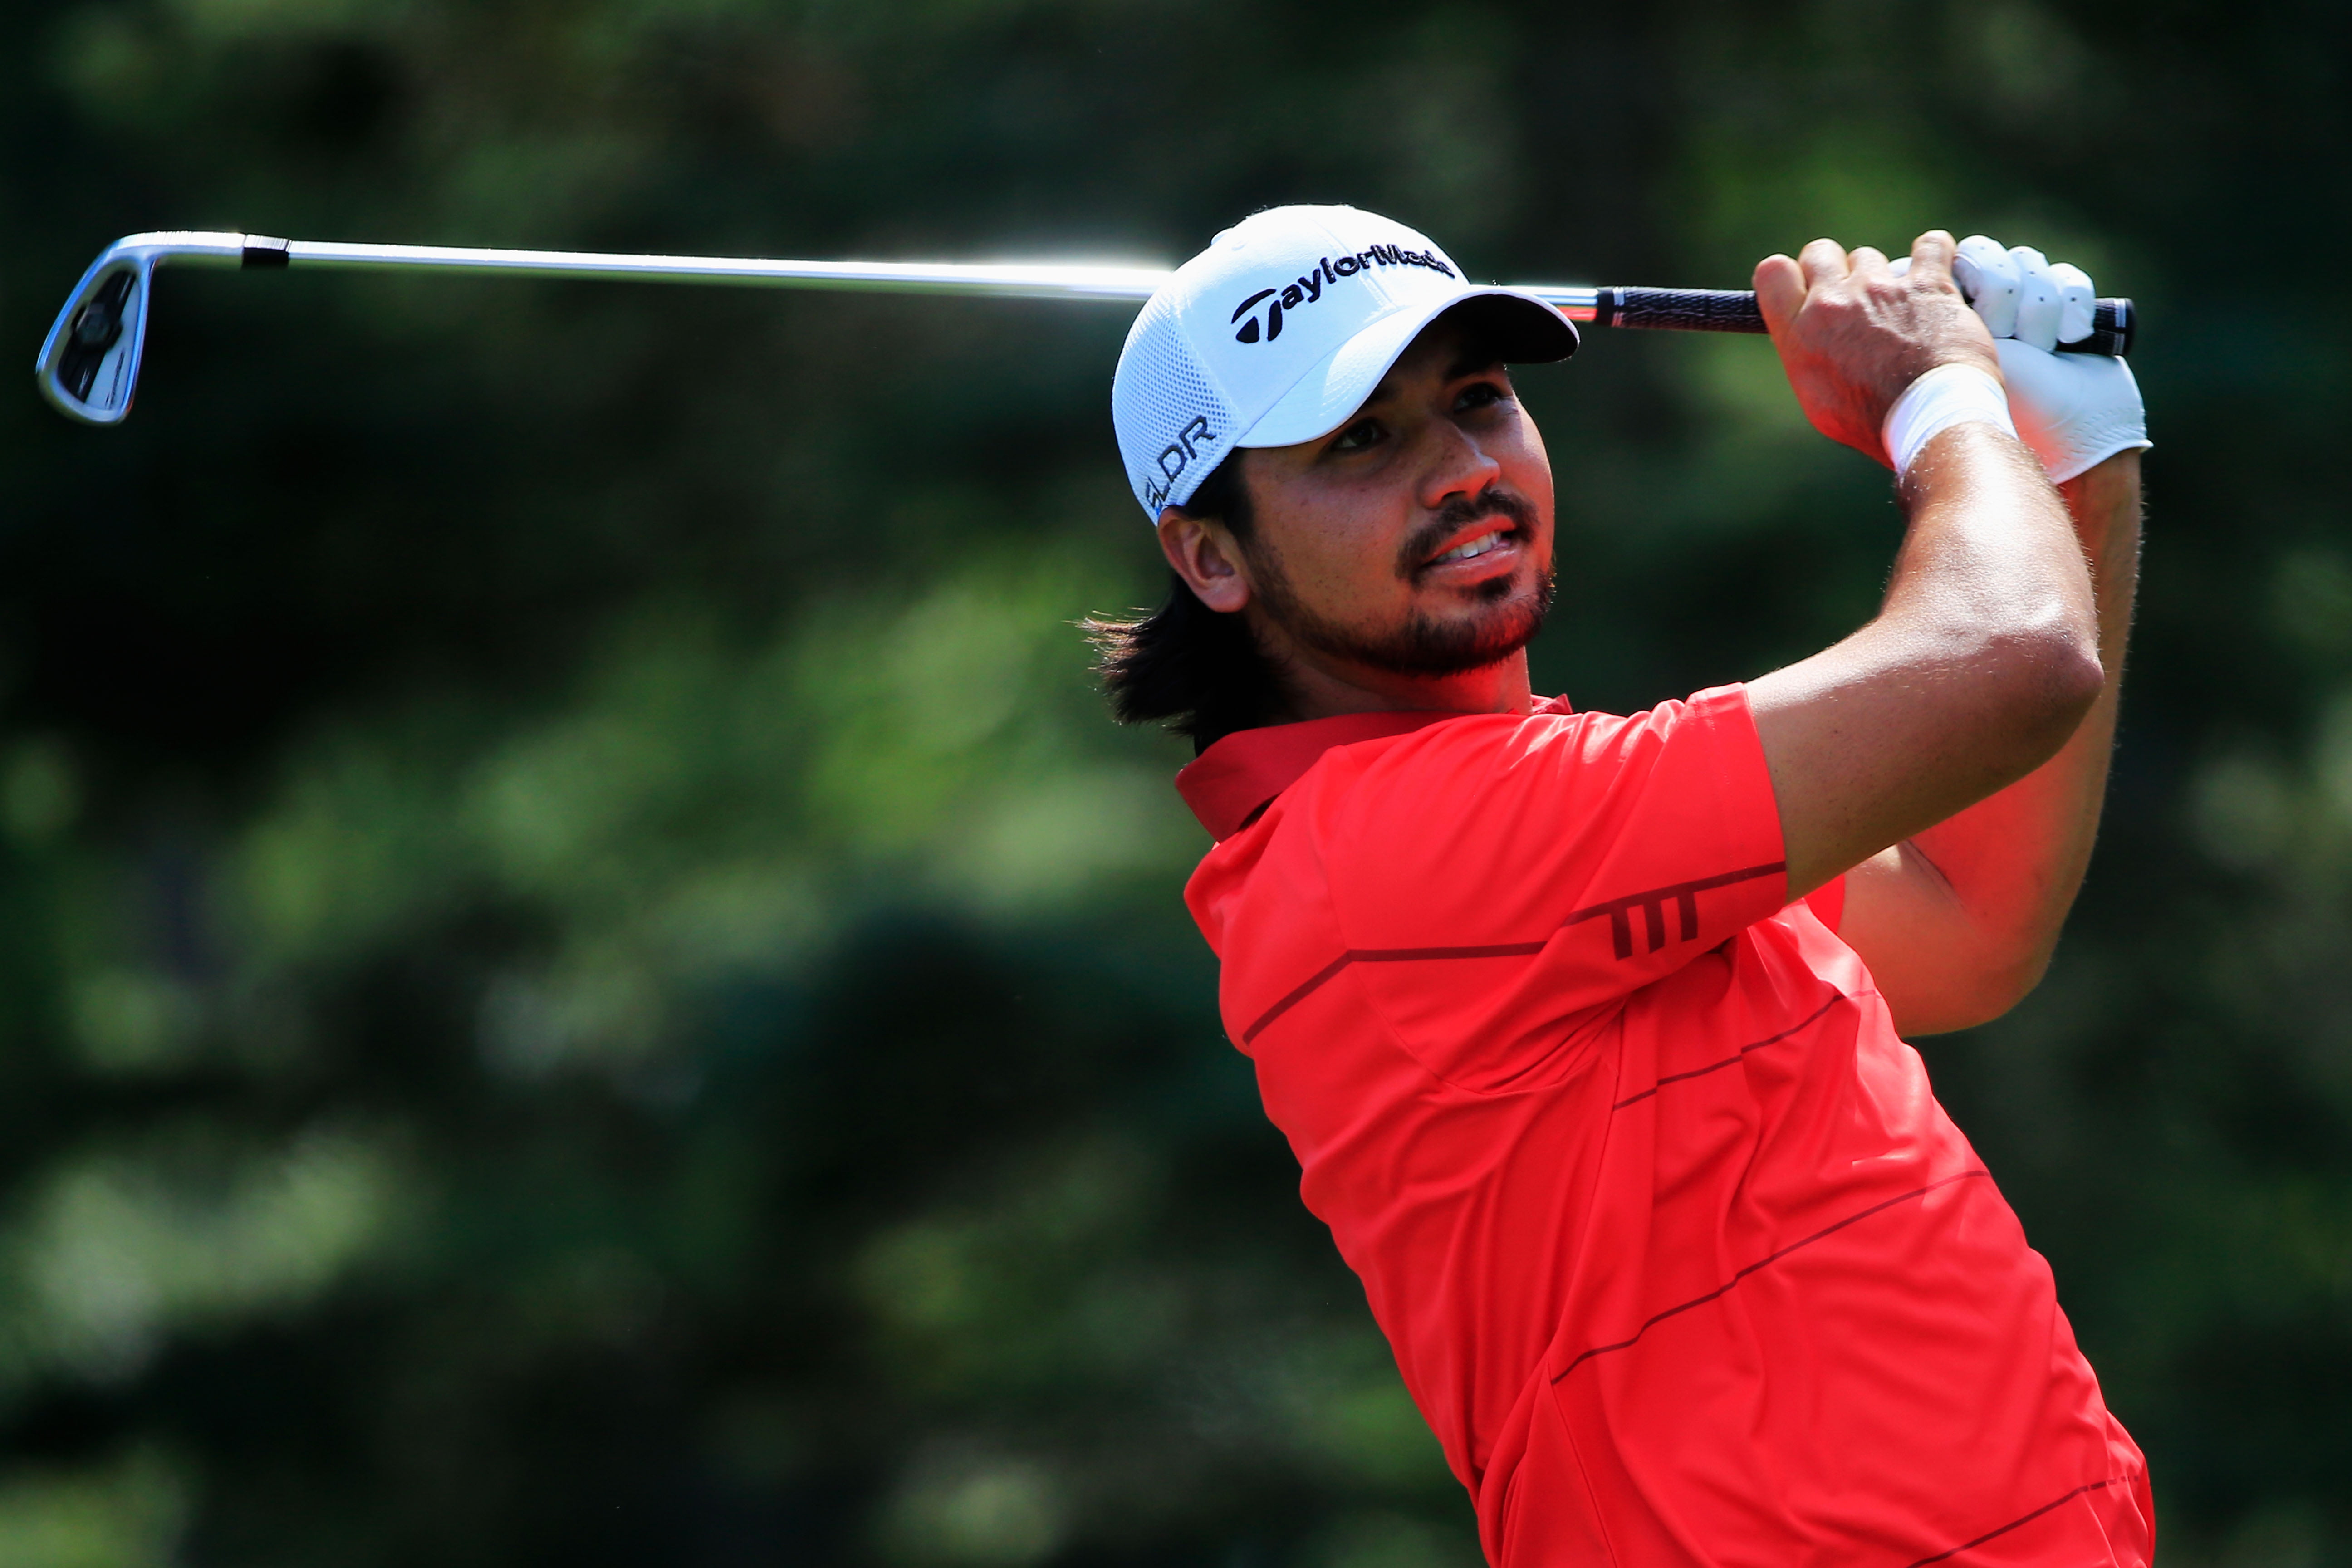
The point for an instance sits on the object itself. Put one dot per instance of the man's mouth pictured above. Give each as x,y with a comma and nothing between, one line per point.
1490,538
1456,545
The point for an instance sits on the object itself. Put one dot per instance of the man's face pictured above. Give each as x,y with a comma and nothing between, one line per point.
1414,540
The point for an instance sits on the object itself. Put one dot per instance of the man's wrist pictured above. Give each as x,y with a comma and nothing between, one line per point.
1949,394
2104,502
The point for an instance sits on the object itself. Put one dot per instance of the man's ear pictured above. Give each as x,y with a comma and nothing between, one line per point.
1206,555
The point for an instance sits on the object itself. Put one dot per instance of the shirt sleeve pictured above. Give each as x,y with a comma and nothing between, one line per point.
1504,874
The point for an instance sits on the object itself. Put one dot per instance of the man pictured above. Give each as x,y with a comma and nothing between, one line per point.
1587,1030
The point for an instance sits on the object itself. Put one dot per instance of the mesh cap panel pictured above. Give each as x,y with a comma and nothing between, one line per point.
1174,424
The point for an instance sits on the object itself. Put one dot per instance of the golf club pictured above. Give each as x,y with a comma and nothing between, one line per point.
88,366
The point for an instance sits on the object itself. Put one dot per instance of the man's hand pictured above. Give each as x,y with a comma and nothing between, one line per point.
1853,333
2074,410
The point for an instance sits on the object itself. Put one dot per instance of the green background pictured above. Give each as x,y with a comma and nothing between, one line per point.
584,981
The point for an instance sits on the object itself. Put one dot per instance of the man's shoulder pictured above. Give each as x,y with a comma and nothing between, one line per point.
1536,762
1372,777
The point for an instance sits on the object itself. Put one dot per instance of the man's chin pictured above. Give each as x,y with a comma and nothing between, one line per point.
1429,647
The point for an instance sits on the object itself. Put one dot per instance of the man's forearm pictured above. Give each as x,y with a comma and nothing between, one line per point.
1961,919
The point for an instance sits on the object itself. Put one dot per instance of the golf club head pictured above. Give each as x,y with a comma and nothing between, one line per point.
89,362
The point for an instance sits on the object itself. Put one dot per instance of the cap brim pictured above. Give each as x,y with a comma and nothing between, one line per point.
1522,329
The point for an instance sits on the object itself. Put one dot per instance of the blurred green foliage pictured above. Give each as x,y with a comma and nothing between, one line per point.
587,982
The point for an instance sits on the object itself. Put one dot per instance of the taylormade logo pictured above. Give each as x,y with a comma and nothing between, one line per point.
1309,288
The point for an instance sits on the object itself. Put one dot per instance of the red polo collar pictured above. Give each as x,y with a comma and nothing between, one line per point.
1231,781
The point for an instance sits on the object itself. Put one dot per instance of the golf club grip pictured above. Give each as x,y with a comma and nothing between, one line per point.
1735,310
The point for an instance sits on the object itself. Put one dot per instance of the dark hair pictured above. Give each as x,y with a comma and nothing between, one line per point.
1200,669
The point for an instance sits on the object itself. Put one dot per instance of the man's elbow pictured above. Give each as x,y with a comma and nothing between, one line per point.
1970,992
2049,676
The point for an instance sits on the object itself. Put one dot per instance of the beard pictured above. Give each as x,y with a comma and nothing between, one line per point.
1423,645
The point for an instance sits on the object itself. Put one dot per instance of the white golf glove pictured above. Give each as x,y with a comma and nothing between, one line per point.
2074,410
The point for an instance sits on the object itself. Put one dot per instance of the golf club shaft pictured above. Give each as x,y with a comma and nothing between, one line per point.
1036,281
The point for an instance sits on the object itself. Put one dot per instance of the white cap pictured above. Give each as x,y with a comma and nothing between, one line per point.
1278,332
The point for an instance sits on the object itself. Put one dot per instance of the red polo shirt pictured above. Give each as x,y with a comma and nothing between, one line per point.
1677,1253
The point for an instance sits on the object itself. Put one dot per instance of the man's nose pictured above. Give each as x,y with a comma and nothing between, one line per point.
1457,465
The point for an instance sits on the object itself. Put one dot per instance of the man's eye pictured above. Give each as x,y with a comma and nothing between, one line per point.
1363,433
1481,394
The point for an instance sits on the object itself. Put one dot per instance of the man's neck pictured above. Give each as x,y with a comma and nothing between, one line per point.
1324,688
